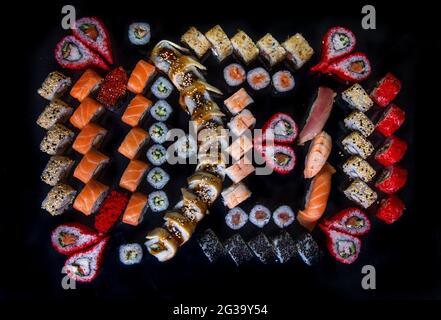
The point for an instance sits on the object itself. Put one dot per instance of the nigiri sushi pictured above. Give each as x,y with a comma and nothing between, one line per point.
133,142
90,198
89,166
132,175
318,154
87,111
136,110
135,210
139,77
86,84
90,136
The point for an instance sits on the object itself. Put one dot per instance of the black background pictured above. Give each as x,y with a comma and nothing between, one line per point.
406,255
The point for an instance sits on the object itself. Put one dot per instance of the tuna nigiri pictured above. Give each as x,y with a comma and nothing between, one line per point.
318,153
136,110
133,141
90,136
86,84
318,115
316,198
90,165
91,197
87,111
140,76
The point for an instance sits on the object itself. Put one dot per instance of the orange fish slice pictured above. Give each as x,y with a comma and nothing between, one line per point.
90,165
88,110
89,199
133,142
87,83
141,74
318,153
136,110
90,136
132,175
135,209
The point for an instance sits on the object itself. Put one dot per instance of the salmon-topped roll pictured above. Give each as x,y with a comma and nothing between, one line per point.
136,110
135,209
133,174
238,101
87,111
89,166
133,142
90,198
86,84
90,136
142,73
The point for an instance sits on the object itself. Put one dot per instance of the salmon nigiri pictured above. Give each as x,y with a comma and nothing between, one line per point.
140,76
136,110
318,153
316,198
87,111
86,84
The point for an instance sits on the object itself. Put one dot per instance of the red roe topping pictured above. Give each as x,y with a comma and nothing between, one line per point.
113,87
112,208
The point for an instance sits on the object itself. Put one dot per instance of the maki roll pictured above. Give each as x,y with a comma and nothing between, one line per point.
59,199
355,144
279,158
86,84
191,206
298,50
283,81
136,110
240,170
352,221
157,178
391,209
220,44
343,247
360,193
90,165
54,85
211,245
271,49
205,185
139,33
386,90
113,87
161,244
196,41
90,136
283,127
57,168
308,249
132,175
355,167
262,248
391,152
68,238
135,210
88,110
236,218
283,216
56,140
90,198
392,179
130,254
162,88
135,139
355,67
244,47
238,250
161,110
241,122
391,120
234,74
284,247
260,216
212,163
235,195
158,132
258,78
238,101
55,112
357,98
157,154
180,227
140,76
358,121
112,208
158,201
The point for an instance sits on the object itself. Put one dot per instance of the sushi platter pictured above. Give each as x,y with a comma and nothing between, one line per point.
220,145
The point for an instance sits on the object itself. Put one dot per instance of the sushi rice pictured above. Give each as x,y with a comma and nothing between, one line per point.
157,178
258,78
162,88
260,215
234,74
283,216
161,110
139,33
158,201
158,132
130,253
283,81
236,218
157,154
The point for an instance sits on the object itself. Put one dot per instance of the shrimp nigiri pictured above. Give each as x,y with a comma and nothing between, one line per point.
318,153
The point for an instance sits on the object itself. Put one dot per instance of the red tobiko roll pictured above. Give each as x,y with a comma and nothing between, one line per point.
354,67
113,87
68,238
352,221
283,127
111,209
391,120
392,179
392,151
386,90
344,247
281,158
391,209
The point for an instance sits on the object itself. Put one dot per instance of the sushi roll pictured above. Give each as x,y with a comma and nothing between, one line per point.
240,170
161,110
220,44
135,210
90,165
191,206
391,152
241,122
158,132
283,216
130,253
158,201
386,90
90,197
352,221
357,98
211,245
360,193
161,244
355,144
282,126
355,67
133,174
391,120
284,247
55,112
234,74
157,178
56,140
140,76
238,250
57,168
139,33
280,158
308,249
162,88
196,41
136,110
235,195
86,84
205,185
110,211
355,167
135,139
343,247
54,85
68,238
258,78
358,121
391,209
212,163
244,47
240,147
88,110
157,154
262,248
392,179
90,136
271,49
238,101
298,50
260,216
283,81
180,227
113,88
59,199
236,218
185,146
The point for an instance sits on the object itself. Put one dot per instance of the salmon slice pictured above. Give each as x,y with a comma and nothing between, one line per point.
87,83
133,174
238,101
135,209
89,199
316,198
90,136
318,153
240,170
141,74
235,195
136,110
90,165
241,122
88,110
239,147
133,142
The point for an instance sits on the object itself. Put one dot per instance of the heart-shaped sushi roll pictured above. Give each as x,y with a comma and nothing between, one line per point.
280,158
354,68
282,126
343,247
68,238
352,221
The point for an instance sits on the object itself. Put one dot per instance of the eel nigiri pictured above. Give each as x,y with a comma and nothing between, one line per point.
316,198
318,115
318,154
